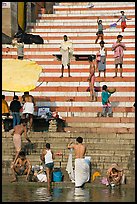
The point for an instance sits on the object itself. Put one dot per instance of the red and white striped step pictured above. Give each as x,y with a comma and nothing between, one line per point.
68,96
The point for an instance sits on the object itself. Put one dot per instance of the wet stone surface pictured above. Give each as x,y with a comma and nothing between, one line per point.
64,192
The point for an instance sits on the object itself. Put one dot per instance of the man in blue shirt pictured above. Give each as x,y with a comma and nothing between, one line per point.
105,102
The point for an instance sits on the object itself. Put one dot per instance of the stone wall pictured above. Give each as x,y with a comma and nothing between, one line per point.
9,16
49,7
6,21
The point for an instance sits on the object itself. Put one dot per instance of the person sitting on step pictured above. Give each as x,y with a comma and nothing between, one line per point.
22,166
114,175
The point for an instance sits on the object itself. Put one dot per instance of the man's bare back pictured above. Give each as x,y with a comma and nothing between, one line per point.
79,148
19,129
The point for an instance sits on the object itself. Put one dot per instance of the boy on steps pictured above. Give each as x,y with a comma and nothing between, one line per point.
105,102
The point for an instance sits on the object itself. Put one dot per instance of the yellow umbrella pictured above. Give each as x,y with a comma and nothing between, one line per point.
19,75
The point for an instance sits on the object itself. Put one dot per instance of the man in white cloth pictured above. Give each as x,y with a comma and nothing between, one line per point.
66,50
82,167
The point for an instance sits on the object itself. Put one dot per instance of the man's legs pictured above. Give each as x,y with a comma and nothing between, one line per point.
98,73
97,39
48,173
121,71
104,111
16,156
69,70
14,119
20,57
13,173
105,73
123,26
62,70
116,70
30,121
110,111
18,118
102,37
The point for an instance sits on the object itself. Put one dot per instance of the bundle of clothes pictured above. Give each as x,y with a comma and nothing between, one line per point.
27,38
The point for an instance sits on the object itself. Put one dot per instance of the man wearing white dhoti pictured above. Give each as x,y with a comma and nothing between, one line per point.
82,167
66,50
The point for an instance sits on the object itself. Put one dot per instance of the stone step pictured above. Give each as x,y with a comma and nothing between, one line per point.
84,79
82,34
76,21
65,135
100,120
49,60
93,12
68,29
130,46
101,125
54,74
74,107
80,97
99,130
75,98
55,50
92,145
96,4
81,17
82,22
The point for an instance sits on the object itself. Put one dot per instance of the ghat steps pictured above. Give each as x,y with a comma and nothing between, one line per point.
108,139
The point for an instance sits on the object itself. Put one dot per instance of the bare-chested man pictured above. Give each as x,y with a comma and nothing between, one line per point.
17,132
82,169
79,148
22,166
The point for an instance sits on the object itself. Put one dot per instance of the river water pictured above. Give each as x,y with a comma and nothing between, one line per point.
37,192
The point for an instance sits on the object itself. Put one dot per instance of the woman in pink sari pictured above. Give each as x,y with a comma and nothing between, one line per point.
118,47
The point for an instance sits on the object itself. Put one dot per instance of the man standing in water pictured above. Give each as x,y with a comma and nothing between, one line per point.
66,50
47,157
82,169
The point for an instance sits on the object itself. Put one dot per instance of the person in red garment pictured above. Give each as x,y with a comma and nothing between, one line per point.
123,19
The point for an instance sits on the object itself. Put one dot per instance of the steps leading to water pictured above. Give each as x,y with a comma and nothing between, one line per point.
108,139
103,148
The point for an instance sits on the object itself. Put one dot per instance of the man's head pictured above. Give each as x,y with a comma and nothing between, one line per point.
15,97
47,145
114,170
26,93
102,43
65,38
104,87
24,121
122,12
79,139
3,97
100,21
22,154
119,37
